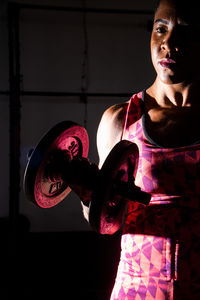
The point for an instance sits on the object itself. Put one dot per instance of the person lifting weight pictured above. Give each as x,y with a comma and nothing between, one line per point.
149,161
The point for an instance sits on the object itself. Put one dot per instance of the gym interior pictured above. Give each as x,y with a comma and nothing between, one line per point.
62,60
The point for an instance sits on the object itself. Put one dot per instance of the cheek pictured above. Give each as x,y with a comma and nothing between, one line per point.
154,54
191,57
193,51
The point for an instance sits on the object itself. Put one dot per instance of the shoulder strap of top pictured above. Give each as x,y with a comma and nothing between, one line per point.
134,110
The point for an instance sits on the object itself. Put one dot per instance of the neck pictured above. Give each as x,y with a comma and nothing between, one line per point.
180,95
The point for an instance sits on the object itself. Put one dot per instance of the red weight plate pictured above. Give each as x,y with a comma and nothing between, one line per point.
115,186
41,189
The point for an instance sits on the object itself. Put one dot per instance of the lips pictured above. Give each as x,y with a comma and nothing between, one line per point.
167,62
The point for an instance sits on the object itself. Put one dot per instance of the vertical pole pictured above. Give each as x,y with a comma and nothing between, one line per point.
14,126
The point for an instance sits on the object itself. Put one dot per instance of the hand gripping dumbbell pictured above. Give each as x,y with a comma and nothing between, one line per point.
59,164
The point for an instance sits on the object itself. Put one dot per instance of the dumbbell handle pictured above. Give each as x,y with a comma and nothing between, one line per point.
131,192
83,177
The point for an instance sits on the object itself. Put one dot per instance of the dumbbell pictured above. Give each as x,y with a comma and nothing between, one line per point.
59,164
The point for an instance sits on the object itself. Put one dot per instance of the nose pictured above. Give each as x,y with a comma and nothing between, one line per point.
170,43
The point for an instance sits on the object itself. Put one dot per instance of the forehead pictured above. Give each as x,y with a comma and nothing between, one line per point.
187,11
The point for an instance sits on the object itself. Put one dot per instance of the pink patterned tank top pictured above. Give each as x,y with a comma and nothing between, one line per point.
170,175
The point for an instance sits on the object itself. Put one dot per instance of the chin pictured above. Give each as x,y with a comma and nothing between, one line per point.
172,79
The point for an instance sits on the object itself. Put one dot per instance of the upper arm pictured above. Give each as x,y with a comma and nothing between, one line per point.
110,130
109,133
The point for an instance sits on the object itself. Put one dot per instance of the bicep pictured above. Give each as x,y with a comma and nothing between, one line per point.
110,130
108,135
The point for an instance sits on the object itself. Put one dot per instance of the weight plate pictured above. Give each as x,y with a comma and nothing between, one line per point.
44,190
106,210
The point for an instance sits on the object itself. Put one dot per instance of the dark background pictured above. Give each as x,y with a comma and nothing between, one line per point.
104,52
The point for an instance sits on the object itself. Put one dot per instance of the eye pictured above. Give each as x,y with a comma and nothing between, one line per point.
161,29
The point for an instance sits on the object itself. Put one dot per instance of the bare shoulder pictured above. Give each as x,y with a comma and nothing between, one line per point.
110,129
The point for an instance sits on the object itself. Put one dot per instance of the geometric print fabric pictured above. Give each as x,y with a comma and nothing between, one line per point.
144,269
170,175
160,256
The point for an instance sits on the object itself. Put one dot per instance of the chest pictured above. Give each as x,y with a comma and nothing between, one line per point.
172,128
165,170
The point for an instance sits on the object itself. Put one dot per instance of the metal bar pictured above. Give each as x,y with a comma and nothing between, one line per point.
71,94
66,94
86,9
14,127
7,93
